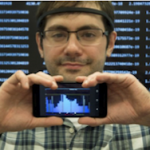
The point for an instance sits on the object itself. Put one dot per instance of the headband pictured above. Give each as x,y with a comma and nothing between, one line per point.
75,9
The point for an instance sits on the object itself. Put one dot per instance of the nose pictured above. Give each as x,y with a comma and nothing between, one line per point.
73,47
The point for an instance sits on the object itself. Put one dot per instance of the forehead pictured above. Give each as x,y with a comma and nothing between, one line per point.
75,20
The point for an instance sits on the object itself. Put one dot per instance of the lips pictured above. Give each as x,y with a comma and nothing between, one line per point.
74,66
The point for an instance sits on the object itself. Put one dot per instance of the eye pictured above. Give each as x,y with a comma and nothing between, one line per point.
88,34
58,35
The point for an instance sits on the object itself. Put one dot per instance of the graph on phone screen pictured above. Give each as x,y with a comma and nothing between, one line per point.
63,102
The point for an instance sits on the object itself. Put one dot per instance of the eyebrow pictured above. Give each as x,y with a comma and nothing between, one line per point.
54,27
88,27
61,27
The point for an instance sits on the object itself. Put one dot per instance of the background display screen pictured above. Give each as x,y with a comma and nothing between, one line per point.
131,54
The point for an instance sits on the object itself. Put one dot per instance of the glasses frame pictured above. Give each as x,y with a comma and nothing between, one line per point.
106,33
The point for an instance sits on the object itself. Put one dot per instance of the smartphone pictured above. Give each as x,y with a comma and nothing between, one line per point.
70,100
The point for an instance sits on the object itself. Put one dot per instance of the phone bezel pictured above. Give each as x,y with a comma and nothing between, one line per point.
102,95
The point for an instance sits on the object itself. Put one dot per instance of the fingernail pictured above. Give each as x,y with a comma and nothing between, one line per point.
86,82
54,84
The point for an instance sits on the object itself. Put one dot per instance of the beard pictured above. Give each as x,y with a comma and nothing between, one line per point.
55,67
62,60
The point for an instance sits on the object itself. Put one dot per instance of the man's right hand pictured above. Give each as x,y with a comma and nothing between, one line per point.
16,102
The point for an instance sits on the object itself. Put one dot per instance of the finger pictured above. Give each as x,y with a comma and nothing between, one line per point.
46,122
45,81
98,77
91,80
87,121
52,79
80,78
57,78
93,121
88,81
109,78
84,81
19,77
36,79
123,79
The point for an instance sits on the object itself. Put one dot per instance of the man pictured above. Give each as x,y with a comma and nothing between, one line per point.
74,45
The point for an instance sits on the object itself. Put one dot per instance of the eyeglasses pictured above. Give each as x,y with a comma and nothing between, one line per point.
86,37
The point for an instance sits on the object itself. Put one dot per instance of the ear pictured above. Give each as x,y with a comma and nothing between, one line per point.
38,42
112,39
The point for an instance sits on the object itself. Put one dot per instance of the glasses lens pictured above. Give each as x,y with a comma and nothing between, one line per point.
90,36
56,37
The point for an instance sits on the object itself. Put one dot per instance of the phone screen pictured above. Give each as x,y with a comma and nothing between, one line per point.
70,100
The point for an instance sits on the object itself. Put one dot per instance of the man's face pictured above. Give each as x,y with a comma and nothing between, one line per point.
72,59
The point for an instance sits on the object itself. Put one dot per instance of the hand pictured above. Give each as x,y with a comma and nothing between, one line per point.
128,99
16,102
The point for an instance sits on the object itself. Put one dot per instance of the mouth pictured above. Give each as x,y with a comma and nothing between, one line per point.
73,66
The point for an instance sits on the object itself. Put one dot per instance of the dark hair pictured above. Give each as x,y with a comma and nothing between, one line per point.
105,6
